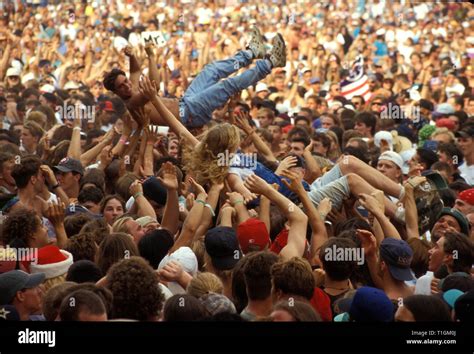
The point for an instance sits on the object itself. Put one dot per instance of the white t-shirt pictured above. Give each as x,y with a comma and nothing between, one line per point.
467,172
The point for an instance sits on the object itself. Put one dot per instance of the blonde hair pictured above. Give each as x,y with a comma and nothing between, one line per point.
120,225
443,130
49,283
203,284
203,160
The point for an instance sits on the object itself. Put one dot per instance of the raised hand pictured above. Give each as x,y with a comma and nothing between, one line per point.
136,188
172,271
147,88
169,179
368,240
295,181
287,163
152,134
325,206
198,189
242,121
149,46
256,185
55,213
48,175
105,156
235,197
128,51
370,203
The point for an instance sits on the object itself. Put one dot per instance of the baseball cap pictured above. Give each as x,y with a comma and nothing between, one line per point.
451,296
261,87
467,196
253,232
70,165
13,71
9,313
445,123
145,220
466,132
428,201
47,88
464,307
71,85
222,245
398,256
393,157
371,305
217,303
107,106
153,190
443,109
186,257
460,218
15,280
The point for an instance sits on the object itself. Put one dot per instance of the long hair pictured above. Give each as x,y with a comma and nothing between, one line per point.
204,159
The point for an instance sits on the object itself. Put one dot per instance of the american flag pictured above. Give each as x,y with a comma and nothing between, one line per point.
356,84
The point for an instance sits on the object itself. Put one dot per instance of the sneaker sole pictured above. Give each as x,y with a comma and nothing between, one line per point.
278,52
257,44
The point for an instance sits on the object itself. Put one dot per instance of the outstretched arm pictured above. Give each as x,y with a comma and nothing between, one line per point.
149,90
134,65
316,219
296,218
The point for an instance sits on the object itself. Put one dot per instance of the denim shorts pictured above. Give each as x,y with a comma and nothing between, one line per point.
332,185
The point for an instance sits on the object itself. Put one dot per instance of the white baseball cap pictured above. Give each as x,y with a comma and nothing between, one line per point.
27,77
261,86
393,157
14,71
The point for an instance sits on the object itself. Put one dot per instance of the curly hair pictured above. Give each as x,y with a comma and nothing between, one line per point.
110,77
82,246
19,227
98,227
135,288
205,157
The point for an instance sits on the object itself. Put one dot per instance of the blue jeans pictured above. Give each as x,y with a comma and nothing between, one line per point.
207,93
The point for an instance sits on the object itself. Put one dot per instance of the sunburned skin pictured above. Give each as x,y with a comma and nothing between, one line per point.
134,99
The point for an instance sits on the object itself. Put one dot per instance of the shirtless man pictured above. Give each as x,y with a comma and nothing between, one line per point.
207,91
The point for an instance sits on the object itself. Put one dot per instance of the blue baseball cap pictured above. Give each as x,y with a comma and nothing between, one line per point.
451,296
222,245
371,305
398,256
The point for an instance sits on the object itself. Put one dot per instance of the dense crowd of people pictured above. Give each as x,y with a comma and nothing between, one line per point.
236,161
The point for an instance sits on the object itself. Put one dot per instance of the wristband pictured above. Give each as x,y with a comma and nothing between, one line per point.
322,215
210,209
123,140
136,195
76,128
237,202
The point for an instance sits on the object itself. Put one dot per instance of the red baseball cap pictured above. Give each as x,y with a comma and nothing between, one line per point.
108,106
253,232
467,196
445,123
